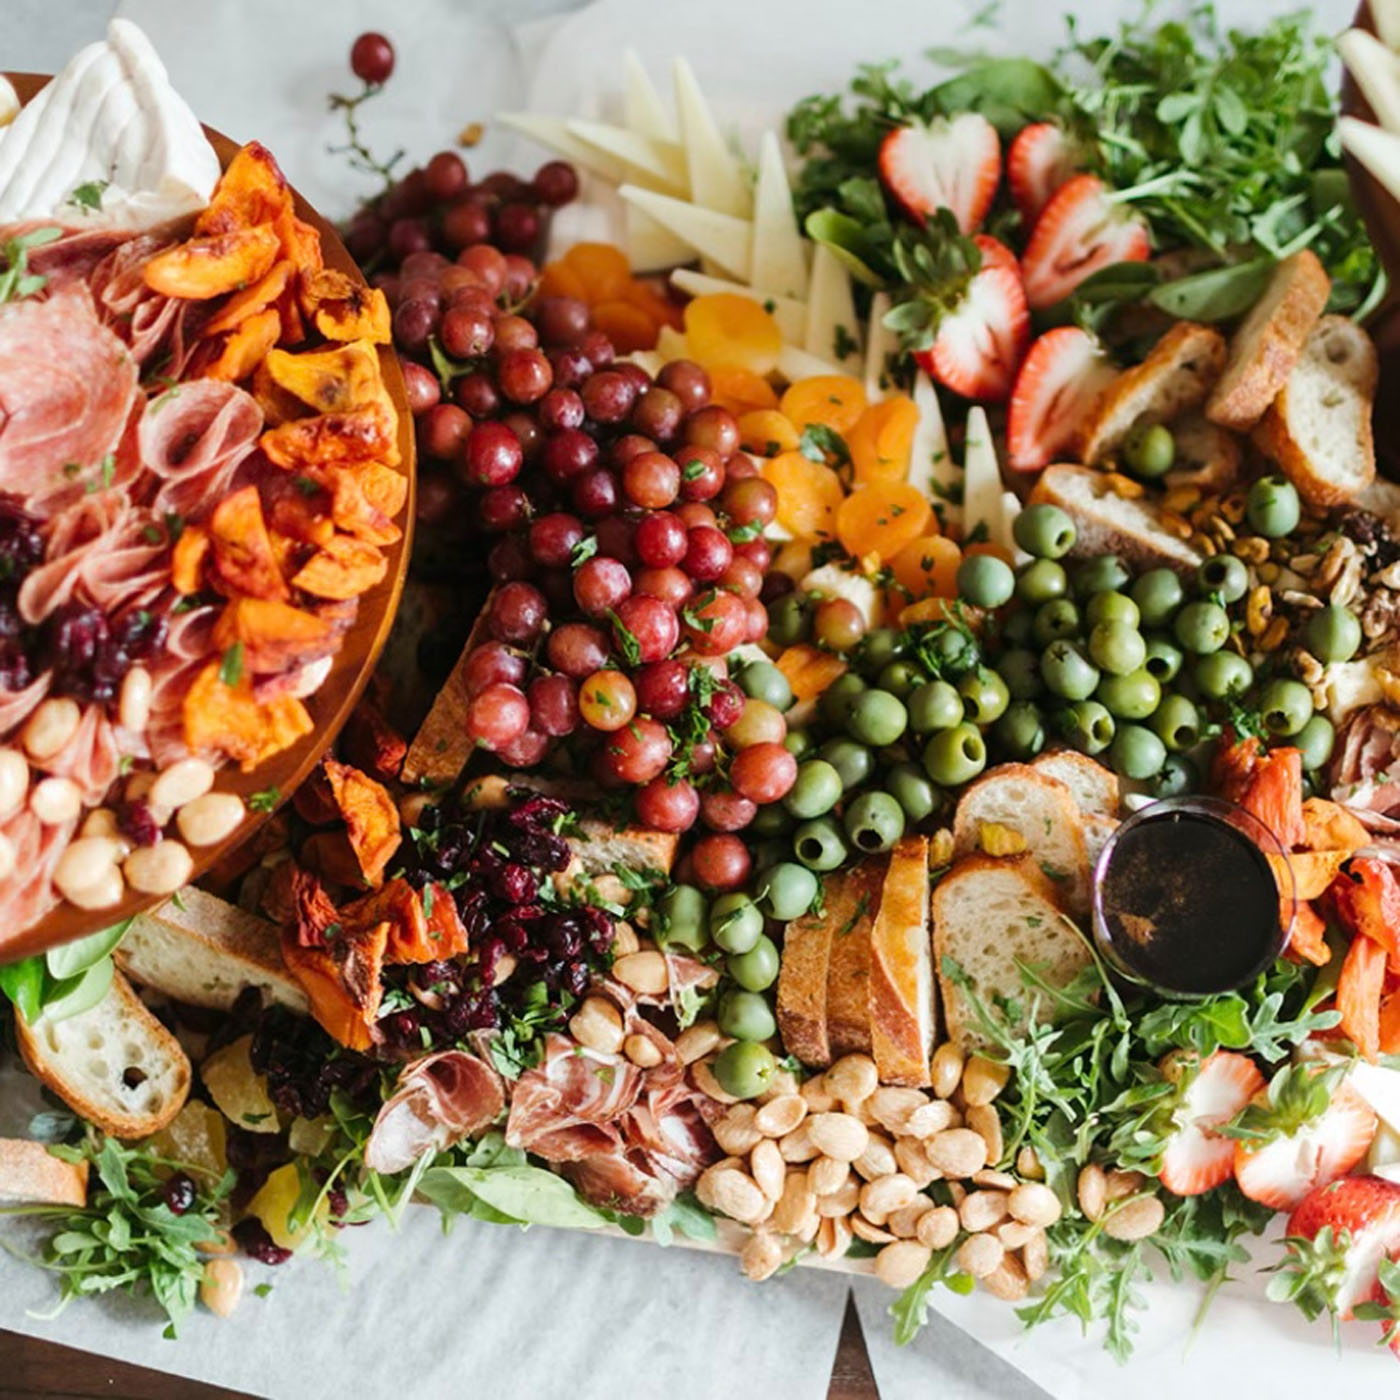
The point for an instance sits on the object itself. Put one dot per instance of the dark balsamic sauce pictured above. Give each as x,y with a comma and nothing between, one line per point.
1190,904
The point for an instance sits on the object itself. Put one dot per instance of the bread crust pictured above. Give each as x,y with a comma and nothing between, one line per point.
441,747
802,977
848,970
901,954
31,1175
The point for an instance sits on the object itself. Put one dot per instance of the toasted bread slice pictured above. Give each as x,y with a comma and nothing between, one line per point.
1268,342
1107,523
1319,428
1093,787
441,747
1097,830
1176,376
114,1065
205,951
31,1175
1042,810
1206,455
848,968
989,915
902,1016
805,969
1382,498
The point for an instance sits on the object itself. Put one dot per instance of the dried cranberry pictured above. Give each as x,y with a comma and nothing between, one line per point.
257,1244
137,821
179,1193
15,672
515,883
576,978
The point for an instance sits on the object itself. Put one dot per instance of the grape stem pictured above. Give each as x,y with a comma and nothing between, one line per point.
360,156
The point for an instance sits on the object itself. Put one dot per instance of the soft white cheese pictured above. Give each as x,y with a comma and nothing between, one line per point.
1349,685
111,125
832,581
9,101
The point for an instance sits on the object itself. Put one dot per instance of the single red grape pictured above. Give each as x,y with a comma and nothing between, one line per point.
746,502
663,687
607,701
561,320
554,705
651,624
671,585
526,751
658,413
509,559
757,621
517,227
426,264
631,445
742,577
524,376
527,432
596,493
666,805
608,396
372,58
615,539
445,176
555,183
722,809
414,322
407,236
702,472
639,751
571,367
497,715
553,539
515,333
577,649
707,553
560,408
715,623
477,393
421,386
600,584
488,263
661,539
490,663
739,466
758,551
466,222
493,455
651,480
687,381
721,861
520,277
466,333
443,431
763,773
726,705
517,613
713,427
568,453
501,508
598,348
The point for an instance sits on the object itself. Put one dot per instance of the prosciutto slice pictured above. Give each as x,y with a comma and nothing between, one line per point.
1365,772
75,257
82,533
565,1108
15,705
188,645
67,387
439,1101
132,567
193,438
29,893
91,758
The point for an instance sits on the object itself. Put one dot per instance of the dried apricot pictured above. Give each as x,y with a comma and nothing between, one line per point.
882,519
739,390
809,495
928,567
881,440
766,432
834,400
558,279
809,671
602,268
627,326
726,329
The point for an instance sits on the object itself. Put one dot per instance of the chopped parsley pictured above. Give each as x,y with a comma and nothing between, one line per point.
231,667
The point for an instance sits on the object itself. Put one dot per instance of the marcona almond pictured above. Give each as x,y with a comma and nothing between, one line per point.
853,1078
946,1069
911,1157
708,1085
644,972
159,869
826,1175
878,1158
703,1193
1035,1255
984,1120
833,1237
783,1082
221,1287
901,1263
778,1117
983,1080
642,1051
1008,1280
838,1135
768,1168
979,1255
1014,1233
806,1232
761,1256
818,1099
871,1233
797,1146
736,1132
1034,1203
930,1118
888,1193
1122,1183
842,1201
1092,1191
697,1041
597,1025
795,1203
736,1194
957,1152
1028,1166
904,1222
997,1180
938,1228
1135,1219
892,1106
981,1210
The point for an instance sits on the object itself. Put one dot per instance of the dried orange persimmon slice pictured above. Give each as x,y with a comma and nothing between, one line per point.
928,567
740,390
809,495
881,440
724,328
834,400
882,519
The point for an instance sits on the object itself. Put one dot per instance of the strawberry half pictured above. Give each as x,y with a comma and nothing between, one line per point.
978,343
1078,232
1337,1239
1038,162
1308,1129
1064,371
950,163
1197,1159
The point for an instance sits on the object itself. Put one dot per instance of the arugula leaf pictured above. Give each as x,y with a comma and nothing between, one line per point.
522,1194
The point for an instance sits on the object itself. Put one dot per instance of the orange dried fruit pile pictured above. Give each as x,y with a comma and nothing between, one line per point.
882,519
629,311
809,495
727,330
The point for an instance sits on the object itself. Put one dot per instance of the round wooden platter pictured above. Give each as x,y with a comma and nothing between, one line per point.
331,705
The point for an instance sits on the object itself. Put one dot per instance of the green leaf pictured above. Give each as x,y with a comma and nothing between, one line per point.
74,995
23,983
848,240
1218,294
1009,92
527,1195
231,667
71,959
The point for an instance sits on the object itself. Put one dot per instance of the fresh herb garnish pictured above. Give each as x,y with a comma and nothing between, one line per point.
266,800
231,667
88,195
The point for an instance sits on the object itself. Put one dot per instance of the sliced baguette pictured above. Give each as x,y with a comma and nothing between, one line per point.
1093,787
1176,376
1206,455
902,1016
848,968
600,847
1318,429
441,747
114,1065
31,1175
1107,523
205,951
1268,342
989,915
1097,830
805,968
1042,811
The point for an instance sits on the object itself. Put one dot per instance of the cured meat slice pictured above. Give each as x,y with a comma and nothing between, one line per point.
75,257
188,645
67,387
15,705
563,1109
1365,772
81,531
193,438
91,758
439,1100
131,568
29,893
155,326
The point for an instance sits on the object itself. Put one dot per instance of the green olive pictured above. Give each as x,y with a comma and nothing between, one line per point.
1178,777
788,890
1044,531
790,619
952,650
1272,507
1021,730
1089,726
1016,629
755,971
1332,633
874,822
1202,627
1149,450
771,819
837,698
683,917
984,695
1225,575
935,705
1315,741
1136,752
1042,582
1105,574
799,743
1222,675
1177,723
769,851
985,581
878,648
1133,696
736,923
1162,659
745,1069
815,791
877,718
1055,620
901,678
853,762
909,786
1285,707
1117,647
1067,672
1158,594
1111,607
1020,669
819,844
761,680
955,756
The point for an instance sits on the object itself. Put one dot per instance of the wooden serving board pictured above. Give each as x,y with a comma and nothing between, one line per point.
330,707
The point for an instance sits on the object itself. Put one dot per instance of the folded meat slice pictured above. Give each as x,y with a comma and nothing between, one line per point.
15,705
91,758
193,438
28,894
440,1100
1365,772
188,646
67,388
78,536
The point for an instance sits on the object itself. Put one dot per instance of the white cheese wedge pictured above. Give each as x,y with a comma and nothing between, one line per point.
931,465
833,330
716,181
111,125
1376,69
9,101
656,164
779,253
1349,685
723,238
642,107
554,132
650,247
982,493
790,315
832,581
795,364
671,344
1377,150
880,344
1385,14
